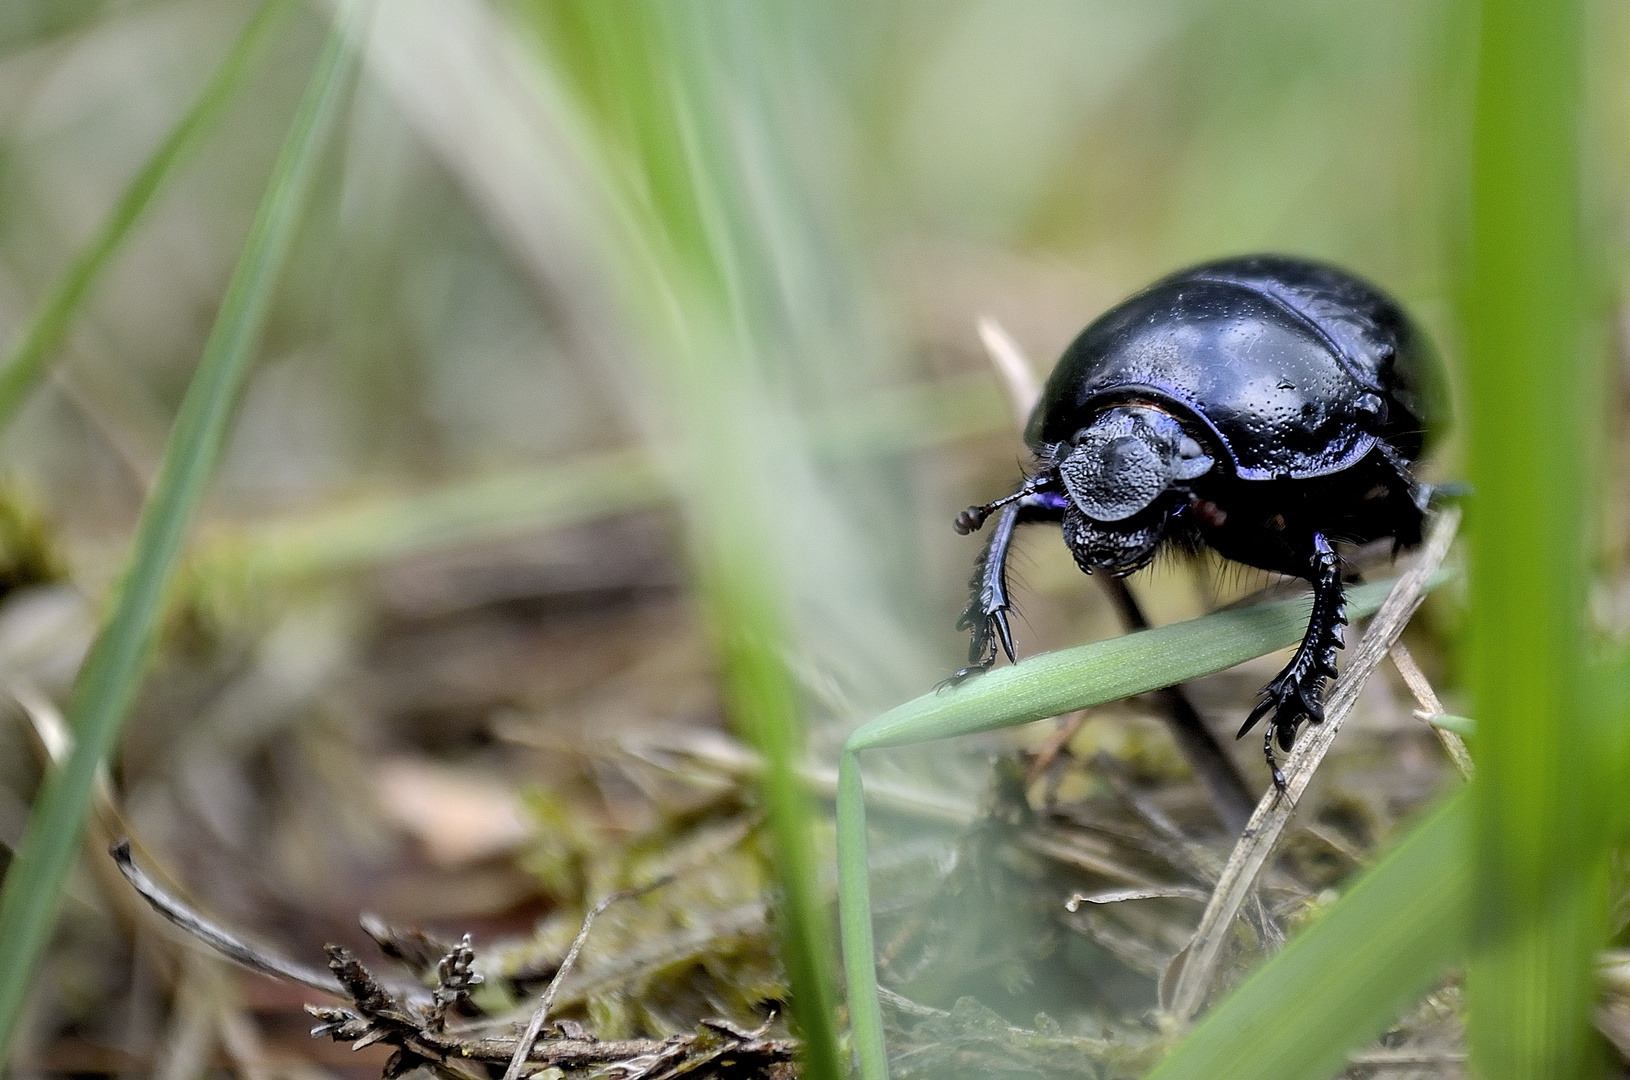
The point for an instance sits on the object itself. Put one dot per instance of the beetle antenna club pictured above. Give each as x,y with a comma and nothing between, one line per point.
973,518
1258,406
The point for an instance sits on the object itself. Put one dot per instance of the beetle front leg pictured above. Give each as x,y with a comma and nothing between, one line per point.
986,613
1297,693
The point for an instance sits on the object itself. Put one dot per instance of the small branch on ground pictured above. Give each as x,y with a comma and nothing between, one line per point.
1415,679
1198,962
417,1025
524,1046
1066,730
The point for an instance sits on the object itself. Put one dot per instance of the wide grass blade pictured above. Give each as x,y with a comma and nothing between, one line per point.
46,328
1039,687
1544,798
1344,979
1340,982
112,672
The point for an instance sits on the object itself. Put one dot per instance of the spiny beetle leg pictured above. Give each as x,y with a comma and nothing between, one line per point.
1297,692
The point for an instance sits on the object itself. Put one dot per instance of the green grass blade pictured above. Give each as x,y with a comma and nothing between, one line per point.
764,706
1344,979
112,672
1056,683
1543,807
1339,983
43,335
1611,693
1464,726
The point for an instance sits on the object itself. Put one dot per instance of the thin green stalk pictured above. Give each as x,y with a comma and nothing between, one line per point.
764,707
47,327
112,672
855,917
1339,983
1543,807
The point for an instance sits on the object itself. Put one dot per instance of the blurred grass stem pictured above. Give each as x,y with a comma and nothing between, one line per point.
112,672
373,531
48,325
1543,792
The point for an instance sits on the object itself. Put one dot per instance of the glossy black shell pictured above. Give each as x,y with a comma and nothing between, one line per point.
1296,368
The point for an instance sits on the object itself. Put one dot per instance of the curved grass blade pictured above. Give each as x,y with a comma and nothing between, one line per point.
1039,687
1056,683
46,328
1338,984
112,672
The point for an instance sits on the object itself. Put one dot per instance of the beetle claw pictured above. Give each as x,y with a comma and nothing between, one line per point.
1004,633
962,675
1308,695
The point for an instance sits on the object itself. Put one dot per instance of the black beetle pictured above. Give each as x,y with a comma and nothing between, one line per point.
1266,407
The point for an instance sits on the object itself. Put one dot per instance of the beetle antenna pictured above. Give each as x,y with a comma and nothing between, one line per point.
973,517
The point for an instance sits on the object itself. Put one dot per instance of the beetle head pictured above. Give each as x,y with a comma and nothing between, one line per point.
1126,459
1115,473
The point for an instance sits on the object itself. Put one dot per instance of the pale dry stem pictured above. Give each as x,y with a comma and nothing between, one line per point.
1199,961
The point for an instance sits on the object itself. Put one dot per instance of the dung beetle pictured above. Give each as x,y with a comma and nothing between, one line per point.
1266,407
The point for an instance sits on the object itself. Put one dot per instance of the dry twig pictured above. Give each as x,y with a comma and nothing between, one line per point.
524,1046
417,1025
1199,960
1018,376
1067,728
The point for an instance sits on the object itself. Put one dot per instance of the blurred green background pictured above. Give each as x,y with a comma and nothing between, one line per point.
604,334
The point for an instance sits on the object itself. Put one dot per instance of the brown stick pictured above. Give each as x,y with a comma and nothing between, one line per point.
1068,727
1250,855
524,1046
1427,698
